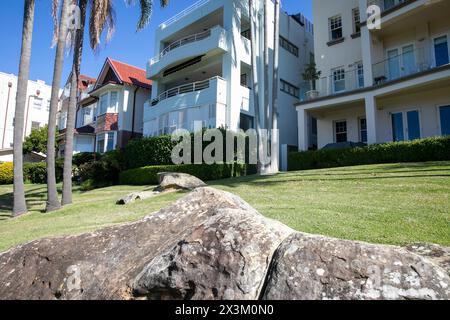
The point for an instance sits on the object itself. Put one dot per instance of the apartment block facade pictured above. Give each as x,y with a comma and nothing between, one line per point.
379,84
109,110
36,109
202,69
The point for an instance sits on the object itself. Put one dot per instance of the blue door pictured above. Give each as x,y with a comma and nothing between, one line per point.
397,127
413,121
445,120
441,51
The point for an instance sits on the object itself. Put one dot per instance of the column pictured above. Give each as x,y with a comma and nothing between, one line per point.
303,139
371,119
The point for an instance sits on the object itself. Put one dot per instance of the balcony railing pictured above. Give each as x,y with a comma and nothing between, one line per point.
386,5
402,63
334,84
181,42
183,13
186,88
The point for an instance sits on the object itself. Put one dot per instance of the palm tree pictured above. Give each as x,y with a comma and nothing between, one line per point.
276,55
52,193
20,206
101,18
255,84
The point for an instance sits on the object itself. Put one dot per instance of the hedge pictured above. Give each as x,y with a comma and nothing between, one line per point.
148,175
6,173
37,172
430,149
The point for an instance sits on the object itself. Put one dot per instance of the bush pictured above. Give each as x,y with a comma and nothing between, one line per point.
430,149
37,172
104,172
148,152
6,173
85,157
148,175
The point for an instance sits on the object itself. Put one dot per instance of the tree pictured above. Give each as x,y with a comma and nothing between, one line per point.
36,141
311,74
19,206
52,193
276,55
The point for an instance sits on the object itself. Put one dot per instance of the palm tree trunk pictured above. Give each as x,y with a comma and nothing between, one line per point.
255,84
276,55
52,193
68,152
266,80
20,206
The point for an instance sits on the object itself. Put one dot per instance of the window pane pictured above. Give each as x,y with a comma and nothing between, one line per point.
441,51
110,145
445,120
409,60
363,129
113,103
413,125
103,104
101,144
397,127
341,131
393,64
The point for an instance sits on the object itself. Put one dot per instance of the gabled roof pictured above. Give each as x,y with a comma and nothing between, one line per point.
125,73
84,82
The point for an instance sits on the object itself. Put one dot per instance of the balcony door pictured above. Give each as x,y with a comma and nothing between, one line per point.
405,125
401,62
444,115
441,52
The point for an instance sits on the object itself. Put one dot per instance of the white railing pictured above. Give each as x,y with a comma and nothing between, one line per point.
183,13
185,88
181,42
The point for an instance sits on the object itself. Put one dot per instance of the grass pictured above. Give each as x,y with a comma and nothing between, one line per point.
392,204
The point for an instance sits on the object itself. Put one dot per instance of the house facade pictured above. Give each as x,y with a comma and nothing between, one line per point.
379,84
109,109
202,69
36,109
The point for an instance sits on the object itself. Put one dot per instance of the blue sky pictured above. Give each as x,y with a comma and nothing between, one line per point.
126,45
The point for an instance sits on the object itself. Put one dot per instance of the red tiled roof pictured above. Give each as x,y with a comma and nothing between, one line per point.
84,82
130,74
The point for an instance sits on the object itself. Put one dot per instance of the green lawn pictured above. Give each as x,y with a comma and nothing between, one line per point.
394,204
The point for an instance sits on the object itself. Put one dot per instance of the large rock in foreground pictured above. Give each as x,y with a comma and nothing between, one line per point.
178,180
314,267
213,245
209,244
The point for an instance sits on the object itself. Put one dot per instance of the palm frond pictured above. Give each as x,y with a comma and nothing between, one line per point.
102,18
55,11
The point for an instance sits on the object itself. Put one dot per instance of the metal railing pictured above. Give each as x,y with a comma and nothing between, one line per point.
405,63
386,5
333,84
183,13
185,88
181,42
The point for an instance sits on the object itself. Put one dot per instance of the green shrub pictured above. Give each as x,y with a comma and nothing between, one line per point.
430,149
147,152
37,172
6,173
104,172
148,175
85,157
87,185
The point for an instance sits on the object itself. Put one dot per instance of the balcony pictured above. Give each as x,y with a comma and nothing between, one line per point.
183,13
208,91
389,5
211,41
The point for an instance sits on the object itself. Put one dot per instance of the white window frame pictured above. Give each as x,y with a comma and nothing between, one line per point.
105,135
400,55
433,51
331,22
334,129
356,14
108,103
360,129
338,69
404,113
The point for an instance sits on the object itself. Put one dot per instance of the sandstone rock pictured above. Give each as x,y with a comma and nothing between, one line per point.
315,267
176,180
433,252
104,264
133,197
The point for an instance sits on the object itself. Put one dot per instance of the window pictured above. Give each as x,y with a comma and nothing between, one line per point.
410,129
35,125
360,73
336,28
246,122
244,80
106,142
289,88
289,46
441,53
340,129
113,101
163,124
356,20
37,104
103,104
401,62
48,105
388,4
444,114
363,130
87,114
338,79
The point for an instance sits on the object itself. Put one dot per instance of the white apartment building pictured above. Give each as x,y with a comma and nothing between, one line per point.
202,68
379,85
36,109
